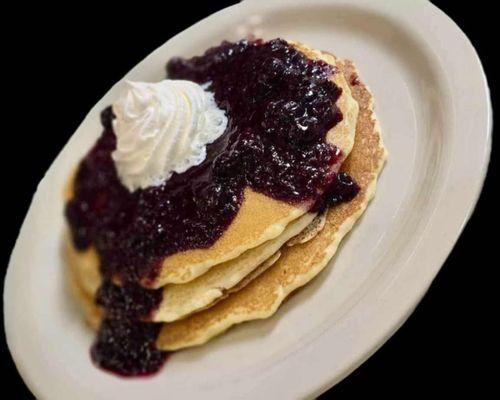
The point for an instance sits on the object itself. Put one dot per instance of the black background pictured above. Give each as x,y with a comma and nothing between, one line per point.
60,61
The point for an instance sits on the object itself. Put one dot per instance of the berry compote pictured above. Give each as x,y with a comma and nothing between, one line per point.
279,105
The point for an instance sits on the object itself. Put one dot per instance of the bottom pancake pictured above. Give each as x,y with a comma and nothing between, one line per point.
300,263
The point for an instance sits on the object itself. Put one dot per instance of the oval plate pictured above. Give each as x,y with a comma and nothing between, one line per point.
433,103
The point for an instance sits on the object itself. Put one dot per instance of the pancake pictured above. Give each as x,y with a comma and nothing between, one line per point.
246,231
300,263
180,300
297,264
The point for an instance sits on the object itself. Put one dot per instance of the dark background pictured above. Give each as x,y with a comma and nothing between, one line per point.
61,61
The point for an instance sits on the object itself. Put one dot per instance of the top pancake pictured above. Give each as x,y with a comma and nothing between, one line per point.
260,218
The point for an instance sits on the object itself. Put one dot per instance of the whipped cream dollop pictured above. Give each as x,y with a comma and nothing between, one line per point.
162,128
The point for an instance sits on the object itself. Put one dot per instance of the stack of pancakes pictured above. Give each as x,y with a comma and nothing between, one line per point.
270,249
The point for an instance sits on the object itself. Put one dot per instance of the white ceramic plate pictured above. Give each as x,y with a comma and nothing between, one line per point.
433,103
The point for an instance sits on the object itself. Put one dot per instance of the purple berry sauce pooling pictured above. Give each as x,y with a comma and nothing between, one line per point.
279,105
127,347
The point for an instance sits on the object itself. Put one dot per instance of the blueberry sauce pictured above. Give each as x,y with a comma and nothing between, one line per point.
279,106
129,300
342,189
127,347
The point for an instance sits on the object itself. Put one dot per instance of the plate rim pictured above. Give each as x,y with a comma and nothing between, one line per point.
326,381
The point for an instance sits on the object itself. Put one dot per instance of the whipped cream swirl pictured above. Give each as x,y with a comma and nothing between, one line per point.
162,128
